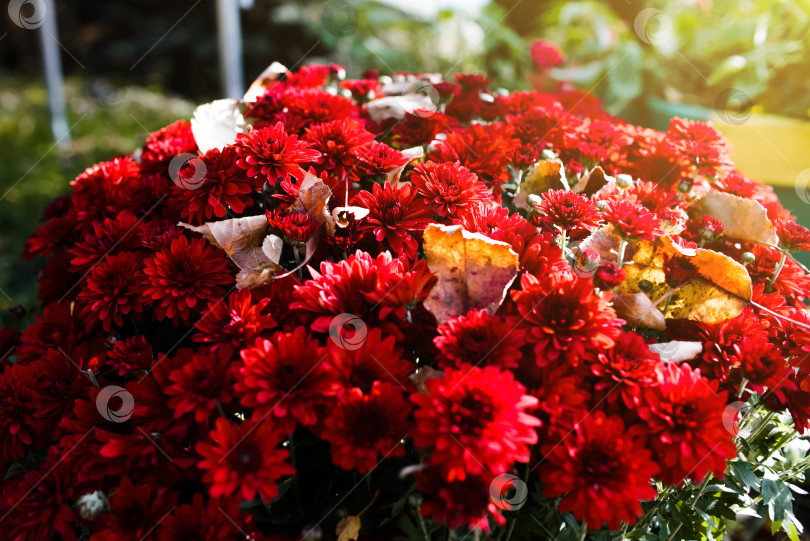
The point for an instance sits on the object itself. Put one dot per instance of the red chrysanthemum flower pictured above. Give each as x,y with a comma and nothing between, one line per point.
496,223
368,359
398,290
135,508
565,317
474,421
703,229
131,355
114,235
546,55
629,366
461,503
38,507
608,275
568,211
393,214
113,290
201,518
378,158
296,227
200,386
685,416
59,327
286,378
362,88
207,186
598,462
419,129
484,150
450,188
184,275
364,427
166,143
701,144
229,325
337,142
273,154
632,221
479,338
792,236
243,459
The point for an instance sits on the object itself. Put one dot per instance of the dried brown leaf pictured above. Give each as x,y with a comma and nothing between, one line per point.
545,175
473,271
638,310
592,182
744,219
348,529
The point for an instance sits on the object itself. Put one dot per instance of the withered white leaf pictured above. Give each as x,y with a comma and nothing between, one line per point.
270,74
474,271
677,351
216,124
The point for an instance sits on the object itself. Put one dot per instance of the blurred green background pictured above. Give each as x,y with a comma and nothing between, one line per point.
135,66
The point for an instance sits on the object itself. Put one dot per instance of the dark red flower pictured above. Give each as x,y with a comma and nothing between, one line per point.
628,367
131,355
678,271
168,142
230,325
213,518
394,213
337,142
685,417
59,327
243,459
608,275
113,290
366,428
568,211
460,503
208,186
114,235
417,130
479,338
286,379
632,221
201,386
368,359
378,158
362,88
599,462
450,188
792,236
703,229
184,275
135,509
19,423
273,154
398,289
474,421
565,317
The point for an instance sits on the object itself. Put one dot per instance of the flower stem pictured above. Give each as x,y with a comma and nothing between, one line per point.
620,253
563,240
778,268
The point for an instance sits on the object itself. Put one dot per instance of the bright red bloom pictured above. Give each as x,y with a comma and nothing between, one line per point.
608,275
229,325
200,386
546,55
703,229
365,428
296,227
629,366
214,518
474,421
417,130
479,338
286,379
632,221
208,186
496,223
113,290
484,150
685,416
792,236
565,317
602,472
337,142
184,275
394,213
378,158
367,360
460,503
398,290
273,154
568,211
450,188
701,144
243,459
166,143
362,88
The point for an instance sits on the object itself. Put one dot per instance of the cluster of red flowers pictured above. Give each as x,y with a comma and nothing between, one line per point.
152,397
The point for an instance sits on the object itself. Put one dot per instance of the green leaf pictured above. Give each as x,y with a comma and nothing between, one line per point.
741,470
